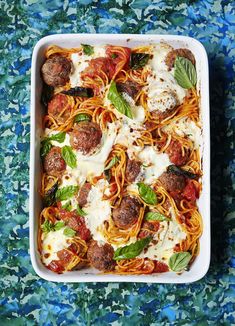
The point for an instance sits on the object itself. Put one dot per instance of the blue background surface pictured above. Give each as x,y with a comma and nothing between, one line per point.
25,299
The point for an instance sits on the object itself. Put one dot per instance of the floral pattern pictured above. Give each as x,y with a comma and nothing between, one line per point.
25,299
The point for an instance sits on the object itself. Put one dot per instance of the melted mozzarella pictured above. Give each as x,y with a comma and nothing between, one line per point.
160,52
97,210
137,111
156,163
81,61
168,235
186,127
52,242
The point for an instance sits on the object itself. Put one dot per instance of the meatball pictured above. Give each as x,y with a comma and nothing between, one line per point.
130,87
126,215
101,256
56,70
171,56
54,164
148,228
132,170
85,137
83,194
172,182
59,108
161,115
176,156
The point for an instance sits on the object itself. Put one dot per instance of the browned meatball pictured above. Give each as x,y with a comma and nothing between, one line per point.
130,87
85,137
172,182
171,56
59,108
132,170
83,194
56,70
54,164
101,256
126,215
161,115
174,150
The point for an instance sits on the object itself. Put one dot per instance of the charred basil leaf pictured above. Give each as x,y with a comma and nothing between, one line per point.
49,197
139,60
156,216
66,192
179,261
69,156
147,194
118,101
176,170
132,250
87,49
47,94
69,232
107,174
79,91
185,73
82,117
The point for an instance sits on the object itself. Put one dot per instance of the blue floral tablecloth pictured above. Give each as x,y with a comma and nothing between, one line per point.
25,299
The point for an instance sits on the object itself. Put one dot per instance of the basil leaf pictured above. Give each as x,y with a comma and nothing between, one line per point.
82,117
185,73
179,261
118,101
176,170
155,216
67,206
139,60
60,137
66,192
147,194
69,156
114,55
79,91
45,147
87,49
47,226
59,225
47,94
81,211
49,196
132,250
112,163
69,232
108,175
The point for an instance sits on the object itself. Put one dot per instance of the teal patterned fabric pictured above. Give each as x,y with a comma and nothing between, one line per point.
25,299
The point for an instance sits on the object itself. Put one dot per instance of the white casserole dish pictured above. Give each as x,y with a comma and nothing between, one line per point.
201,264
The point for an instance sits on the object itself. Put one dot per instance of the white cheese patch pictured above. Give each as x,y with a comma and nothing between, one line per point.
97,210
186,127
52,242
155,163
160,52
137,111
168,235
81,61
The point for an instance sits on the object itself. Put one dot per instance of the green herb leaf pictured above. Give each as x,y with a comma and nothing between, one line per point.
139,60
69,156
82,117
155,216
67,206
185,73
176,170
132,250
118,101
47,226
114,55
60,137
69,232
45,147
147,194
179,261
87,49
66,192
59,225
112,163
81,211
